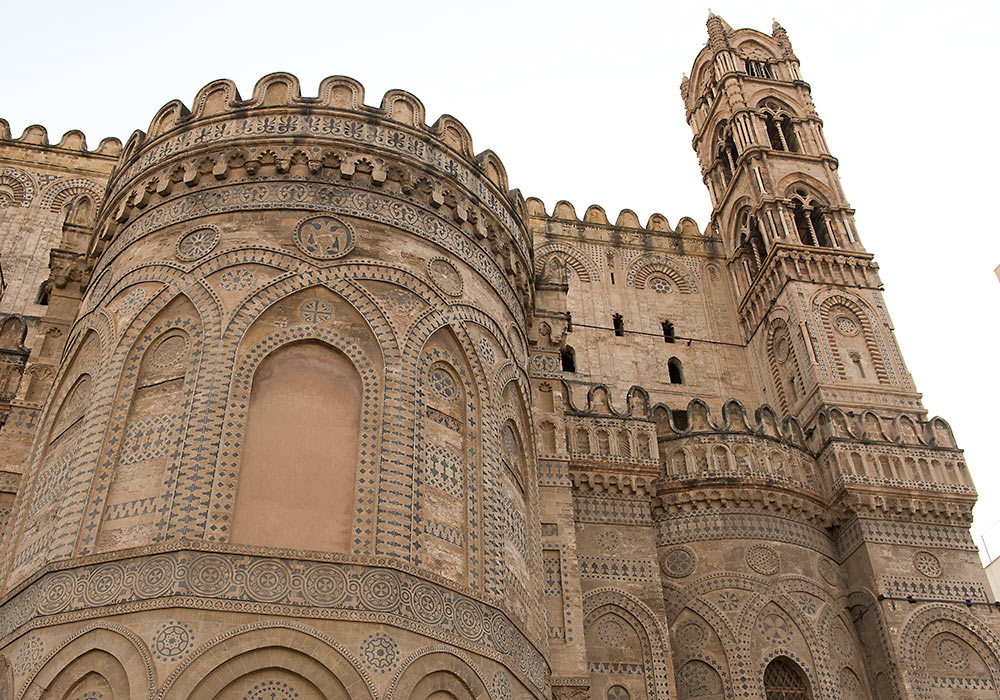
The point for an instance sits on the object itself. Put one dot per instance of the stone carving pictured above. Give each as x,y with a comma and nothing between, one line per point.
445,277
197,244
775,629
237,279
927,564
763,559
324,237
678,562
380,652
171,641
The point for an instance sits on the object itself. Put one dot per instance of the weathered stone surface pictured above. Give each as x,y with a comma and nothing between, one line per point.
303,401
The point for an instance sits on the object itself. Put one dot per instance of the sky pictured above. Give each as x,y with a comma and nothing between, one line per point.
581,101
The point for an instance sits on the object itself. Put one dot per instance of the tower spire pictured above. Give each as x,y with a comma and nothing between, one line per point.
779,33
716,31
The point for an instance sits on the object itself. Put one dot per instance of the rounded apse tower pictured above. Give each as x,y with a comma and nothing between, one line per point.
287,452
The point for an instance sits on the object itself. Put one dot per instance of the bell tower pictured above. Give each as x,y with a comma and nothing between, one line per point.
809,296
896,495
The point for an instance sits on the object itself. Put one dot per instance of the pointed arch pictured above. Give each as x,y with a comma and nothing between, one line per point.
57,195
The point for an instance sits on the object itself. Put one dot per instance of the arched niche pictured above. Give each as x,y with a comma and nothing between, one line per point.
59,443
447,515
151,414
785,680
300,450
438,675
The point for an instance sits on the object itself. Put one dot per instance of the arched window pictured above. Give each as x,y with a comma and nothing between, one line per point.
619,325
582,440
784,680
809,217
759,69
675,371
780,129
668,331
603,442
568,357
726,154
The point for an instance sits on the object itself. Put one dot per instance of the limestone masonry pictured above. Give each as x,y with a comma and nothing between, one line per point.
301,400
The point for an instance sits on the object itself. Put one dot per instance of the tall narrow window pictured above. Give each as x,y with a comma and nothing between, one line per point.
675,372
568,357
619,325
668,331
296,484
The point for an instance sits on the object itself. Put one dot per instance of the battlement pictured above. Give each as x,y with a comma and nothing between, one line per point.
595,215
281,92
73,140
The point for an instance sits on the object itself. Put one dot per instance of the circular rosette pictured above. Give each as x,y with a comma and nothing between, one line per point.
209,575
380,590
155,577
324,585
428,603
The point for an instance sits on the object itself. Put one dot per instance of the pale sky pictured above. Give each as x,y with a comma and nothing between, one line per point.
581,102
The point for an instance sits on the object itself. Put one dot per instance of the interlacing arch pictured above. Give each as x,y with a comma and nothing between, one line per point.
928,622
599,601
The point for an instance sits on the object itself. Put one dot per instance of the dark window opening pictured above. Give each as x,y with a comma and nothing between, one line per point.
43,293
784,680
759,69
668,331
680,418
674,371
619,325
568,356
612,278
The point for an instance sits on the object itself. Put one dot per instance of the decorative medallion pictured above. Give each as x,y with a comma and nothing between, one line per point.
763,559
445,277
131,302
678,562
237,279
315,312
691,635
775,629
611,632
829,572
324,237
927,564
171,641
953,653
846,325
442,384
609,541
169,352
380,652
618,692
198,243
728,601
781,350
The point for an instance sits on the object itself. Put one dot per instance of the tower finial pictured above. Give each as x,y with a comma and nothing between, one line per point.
716,32
779,33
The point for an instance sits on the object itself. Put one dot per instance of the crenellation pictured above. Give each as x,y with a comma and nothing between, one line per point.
300,399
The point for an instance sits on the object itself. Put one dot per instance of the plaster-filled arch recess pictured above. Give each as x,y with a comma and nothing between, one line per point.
300,453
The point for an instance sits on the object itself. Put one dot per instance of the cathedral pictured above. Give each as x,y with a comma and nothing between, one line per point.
301,400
